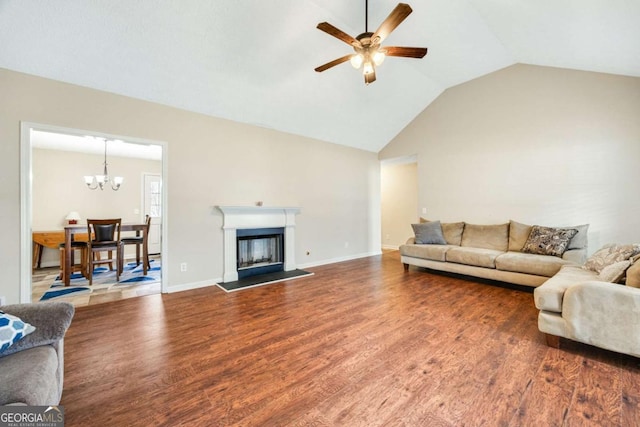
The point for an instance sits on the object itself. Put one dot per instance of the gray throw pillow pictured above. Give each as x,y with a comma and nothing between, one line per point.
429,233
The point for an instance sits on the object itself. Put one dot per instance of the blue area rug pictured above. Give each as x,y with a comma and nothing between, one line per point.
104,278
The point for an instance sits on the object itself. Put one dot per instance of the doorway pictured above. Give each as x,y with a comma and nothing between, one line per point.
31,160
399,200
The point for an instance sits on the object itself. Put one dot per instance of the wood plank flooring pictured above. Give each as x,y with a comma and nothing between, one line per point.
360,343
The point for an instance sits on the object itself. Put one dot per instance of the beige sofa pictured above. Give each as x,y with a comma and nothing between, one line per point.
493,252
579,305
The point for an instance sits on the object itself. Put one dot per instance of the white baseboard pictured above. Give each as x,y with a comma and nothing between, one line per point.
391,247
194,285
213,282
339,259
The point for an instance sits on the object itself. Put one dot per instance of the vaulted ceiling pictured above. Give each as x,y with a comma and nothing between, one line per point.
252,61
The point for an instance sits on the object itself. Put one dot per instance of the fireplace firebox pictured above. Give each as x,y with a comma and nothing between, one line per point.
259,251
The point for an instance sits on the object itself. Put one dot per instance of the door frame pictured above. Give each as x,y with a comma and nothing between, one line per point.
26,218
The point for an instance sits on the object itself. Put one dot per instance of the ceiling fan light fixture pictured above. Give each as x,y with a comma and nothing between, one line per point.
356,60
378,57
368,52
368,68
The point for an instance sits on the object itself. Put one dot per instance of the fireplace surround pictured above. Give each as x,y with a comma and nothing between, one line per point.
240,221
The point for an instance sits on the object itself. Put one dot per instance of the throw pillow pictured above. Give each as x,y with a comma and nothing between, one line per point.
429,233
607,255
12,330
579,241
614,272
452,231
548,240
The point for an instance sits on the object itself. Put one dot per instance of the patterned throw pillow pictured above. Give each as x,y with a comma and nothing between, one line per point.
614,272
609,254
548,240
429,233
12,330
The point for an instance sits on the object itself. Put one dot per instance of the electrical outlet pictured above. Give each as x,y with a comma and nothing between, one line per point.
183,267
346,244
3,300
424,210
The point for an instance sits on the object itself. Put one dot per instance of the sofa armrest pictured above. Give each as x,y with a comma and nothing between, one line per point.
411,241
605,315
51,319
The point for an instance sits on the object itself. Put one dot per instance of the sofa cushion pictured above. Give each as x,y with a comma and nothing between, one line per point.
518,235
429,233
479,257
548,240
495,237
432,252
452,231
540,265
549,295
30,377
609,254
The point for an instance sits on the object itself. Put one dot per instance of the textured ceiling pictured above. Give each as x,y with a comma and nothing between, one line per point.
252,61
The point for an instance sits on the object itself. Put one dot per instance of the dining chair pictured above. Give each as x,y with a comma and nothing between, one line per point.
82,267
139,241
104,236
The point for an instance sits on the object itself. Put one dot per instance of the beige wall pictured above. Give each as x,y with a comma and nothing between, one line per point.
58,188
534,144
210,162
399,197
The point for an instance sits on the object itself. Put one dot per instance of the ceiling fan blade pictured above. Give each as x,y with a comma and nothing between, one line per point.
394,19
405,52
333,63
370,78
339,34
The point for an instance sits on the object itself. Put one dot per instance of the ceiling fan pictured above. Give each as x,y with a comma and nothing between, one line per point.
369,53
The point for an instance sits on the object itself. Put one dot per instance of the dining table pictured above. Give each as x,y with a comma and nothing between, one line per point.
71,230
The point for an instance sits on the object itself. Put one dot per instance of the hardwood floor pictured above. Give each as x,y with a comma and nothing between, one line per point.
360,343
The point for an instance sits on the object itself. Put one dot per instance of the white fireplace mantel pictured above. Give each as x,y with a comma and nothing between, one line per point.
247,217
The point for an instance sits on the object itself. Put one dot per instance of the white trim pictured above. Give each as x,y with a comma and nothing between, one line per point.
194,285
391,247
26,257
26,238
339,259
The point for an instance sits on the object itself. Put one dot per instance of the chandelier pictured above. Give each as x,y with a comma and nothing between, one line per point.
100,181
